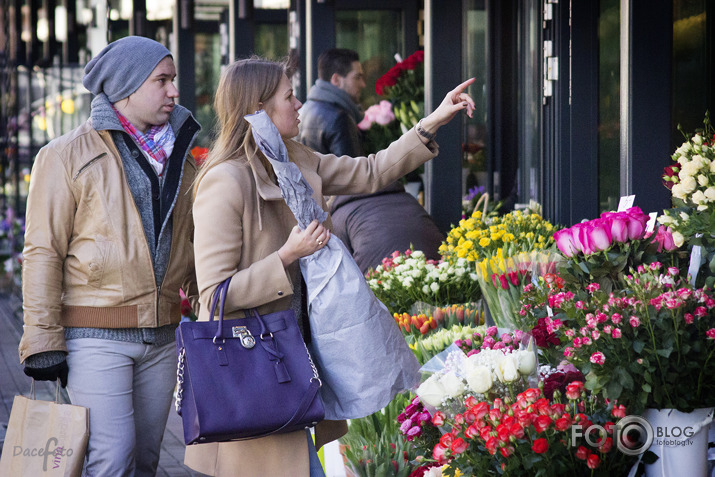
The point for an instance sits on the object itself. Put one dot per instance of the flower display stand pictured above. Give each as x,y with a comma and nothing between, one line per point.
680,440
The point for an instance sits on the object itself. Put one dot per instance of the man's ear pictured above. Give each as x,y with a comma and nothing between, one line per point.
336,80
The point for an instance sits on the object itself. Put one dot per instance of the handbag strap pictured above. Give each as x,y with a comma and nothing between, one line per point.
219,296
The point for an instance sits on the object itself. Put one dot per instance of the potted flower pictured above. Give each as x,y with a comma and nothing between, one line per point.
649,346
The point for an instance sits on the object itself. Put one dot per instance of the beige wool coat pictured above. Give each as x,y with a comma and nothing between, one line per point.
241,220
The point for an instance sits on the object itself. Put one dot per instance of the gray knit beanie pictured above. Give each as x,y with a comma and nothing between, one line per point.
123,66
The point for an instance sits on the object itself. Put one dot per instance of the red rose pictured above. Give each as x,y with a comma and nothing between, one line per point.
593,461
582,453
540,446
458,446
542,423
563,423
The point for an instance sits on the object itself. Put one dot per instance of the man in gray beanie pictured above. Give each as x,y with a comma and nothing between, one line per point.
108,244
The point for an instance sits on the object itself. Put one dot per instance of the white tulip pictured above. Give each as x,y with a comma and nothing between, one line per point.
434,287
479,379
527,362
431,391
452,384
507,369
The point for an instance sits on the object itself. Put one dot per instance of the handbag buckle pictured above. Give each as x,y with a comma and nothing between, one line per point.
247,339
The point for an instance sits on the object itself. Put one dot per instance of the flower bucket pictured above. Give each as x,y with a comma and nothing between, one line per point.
680,440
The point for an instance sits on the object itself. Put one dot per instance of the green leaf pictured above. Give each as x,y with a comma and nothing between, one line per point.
613,389
646,387
665,352
638,346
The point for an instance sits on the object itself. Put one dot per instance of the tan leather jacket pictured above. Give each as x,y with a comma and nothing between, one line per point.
87,262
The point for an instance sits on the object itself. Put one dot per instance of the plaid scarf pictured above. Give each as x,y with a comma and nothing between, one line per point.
148,142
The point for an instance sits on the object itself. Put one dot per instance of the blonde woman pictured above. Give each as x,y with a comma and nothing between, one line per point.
245,230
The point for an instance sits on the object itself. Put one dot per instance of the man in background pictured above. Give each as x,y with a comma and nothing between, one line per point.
375,225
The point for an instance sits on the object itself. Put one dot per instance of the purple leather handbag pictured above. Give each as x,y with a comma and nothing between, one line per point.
246,378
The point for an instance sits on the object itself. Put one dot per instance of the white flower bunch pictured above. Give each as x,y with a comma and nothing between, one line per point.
489,371
696,174
434,343
402,280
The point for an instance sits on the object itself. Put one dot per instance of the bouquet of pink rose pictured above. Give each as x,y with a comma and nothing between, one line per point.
649,344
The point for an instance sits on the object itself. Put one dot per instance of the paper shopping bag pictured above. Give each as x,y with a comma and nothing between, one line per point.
44,438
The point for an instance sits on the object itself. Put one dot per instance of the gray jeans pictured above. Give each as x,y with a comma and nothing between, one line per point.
128,389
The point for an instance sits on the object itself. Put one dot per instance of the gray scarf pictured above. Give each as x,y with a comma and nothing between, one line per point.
327,92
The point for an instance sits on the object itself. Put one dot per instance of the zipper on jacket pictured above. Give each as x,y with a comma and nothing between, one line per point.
84,167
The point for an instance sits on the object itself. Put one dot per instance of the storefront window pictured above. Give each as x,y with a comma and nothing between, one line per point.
530,182
207,67
377,36
271,40
692,67
609,58
474,169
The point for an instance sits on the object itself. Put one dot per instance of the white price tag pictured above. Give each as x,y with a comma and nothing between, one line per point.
626,202
650,225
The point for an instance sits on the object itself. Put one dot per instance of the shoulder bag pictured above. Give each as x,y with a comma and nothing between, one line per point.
246,378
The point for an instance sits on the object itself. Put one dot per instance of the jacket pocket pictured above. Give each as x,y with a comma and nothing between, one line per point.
97,264
87,165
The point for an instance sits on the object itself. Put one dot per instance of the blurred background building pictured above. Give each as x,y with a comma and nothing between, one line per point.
578,102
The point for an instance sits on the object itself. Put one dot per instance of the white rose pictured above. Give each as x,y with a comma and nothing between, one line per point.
710,193
507,369
712,167
665,219
689,169
697,139
407,282
688,184
473,277
684,216
699,197
527,362
425,289
418,254
702,180
431,391
452,384
678,239
479,379
703,207
444,277
434,287
678,191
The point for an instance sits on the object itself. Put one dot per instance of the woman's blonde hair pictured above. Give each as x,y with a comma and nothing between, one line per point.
243,85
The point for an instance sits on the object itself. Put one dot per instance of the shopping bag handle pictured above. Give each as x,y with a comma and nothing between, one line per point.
57,391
